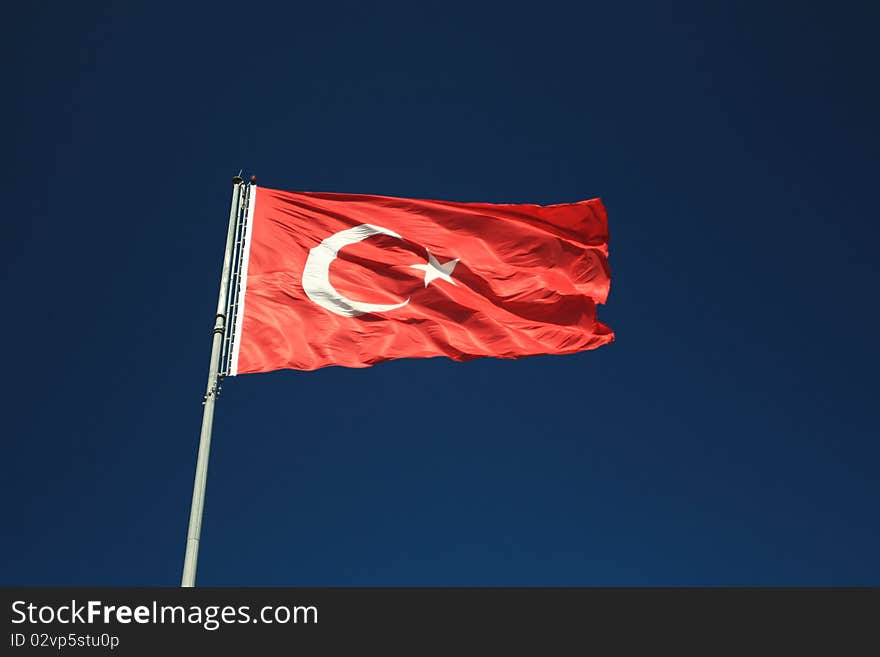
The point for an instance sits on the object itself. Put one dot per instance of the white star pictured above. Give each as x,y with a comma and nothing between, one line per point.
435,270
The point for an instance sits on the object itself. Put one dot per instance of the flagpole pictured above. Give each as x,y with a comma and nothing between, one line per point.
220,323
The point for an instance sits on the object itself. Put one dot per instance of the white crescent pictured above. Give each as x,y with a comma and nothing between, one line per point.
316,273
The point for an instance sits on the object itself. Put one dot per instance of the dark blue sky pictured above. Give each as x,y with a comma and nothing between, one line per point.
728,436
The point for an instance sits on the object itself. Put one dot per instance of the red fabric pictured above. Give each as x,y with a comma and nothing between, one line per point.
527,281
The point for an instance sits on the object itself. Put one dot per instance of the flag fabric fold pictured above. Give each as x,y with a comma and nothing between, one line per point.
353,280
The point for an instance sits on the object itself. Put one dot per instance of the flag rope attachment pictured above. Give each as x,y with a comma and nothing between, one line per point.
211,392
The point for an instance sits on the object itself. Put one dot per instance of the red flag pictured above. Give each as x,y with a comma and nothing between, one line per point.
353,280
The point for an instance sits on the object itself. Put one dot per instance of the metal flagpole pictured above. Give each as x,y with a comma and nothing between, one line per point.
220,324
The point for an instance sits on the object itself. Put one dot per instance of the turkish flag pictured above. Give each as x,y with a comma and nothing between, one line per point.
353,280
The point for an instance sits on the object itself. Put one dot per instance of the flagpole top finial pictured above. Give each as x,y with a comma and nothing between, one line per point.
253,180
